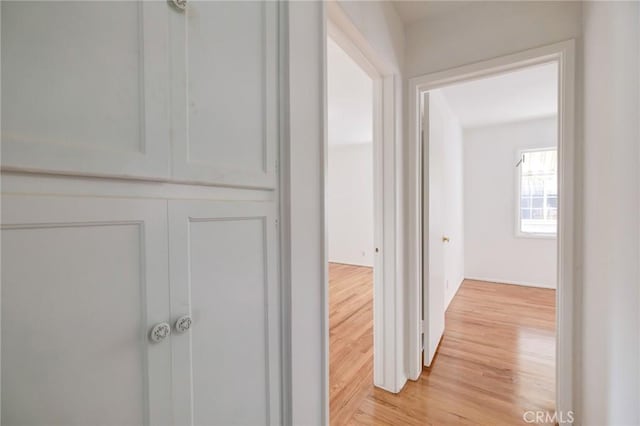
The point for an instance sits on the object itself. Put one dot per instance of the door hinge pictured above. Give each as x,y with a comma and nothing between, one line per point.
422,326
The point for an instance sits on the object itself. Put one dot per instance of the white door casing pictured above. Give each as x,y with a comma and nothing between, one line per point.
564,54
389,369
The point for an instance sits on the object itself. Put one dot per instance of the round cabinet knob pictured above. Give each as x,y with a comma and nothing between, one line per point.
180,4
183,324
160,332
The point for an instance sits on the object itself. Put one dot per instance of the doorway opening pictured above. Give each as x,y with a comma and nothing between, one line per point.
381,175
351,230
494,182
490,216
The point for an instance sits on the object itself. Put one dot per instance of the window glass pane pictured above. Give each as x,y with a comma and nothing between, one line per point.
540,162
537,214
539,191
537,202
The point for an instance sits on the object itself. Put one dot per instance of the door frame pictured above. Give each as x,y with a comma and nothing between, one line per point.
386,361
564,54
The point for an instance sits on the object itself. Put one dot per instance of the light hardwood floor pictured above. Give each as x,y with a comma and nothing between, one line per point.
496,359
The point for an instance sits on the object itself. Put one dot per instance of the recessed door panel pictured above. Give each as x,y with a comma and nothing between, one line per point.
85,87
223,274
82,280
228,50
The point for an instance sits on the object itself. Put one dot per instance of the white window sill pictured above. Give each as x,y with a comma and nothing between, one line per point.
536,236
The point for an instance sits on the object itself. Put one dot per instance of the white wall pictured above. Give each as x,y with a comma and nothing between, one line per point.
350,160
492,250
349,99
480,30
350,204
611,281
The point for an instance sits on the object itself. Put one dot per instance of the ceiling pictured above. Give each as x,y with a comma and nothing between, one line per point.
412,11
519,95
349,99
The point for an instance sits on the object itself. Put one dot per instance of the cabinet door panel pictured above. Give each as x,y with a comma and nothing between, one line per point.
85,87
82,281
228,132
223,263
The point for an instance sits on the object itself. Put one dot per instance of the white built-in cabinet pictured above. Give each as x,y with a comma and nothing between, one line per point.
142,89
139,188
82,282
222,258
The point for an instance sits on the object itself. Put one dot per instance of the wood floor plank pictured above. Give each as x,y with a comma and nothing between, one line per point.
496,359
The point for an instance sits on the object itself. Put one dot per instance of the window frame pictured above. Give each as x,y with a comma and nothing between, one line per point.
518,184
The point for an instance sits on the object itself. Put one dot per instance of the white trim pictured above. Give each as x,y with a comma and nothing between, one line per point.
535,236
511,282
302,230
387,304
86,186
563,53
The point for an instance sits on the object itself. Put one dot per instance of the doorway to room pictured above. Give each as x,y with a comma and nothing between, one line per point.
489,241
351,246
495,211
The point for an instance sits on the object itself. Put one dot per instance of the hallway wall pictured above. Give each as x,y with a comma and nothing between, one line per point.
611,231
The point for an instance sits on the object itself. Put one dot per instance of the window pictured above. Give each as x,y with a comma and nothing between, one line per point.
538,183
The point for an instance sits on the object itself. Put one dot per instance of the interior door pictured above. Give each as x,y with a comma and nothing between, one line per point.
83,281
224,276
85,87
433,232
225,73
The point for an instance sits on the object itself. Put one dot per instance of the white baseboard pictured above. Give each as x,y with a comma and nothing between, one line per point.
342,262
521,283
448,302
